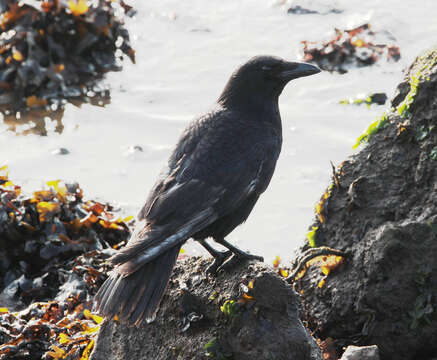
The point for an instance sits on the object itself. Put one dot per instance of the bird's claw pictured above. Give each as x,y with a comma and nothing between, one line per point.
237,259
219,259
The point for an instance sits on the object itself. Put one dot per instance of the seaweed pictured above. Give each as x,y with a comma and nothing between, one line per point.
376,126
354,47
55,246
54,51
41,234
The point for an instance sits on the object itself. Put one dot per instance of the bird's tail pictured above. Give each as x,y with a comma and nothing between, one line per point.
142,269
136,297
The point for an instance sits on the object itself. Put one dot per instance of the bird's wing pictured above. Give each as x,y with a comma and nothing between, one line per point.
214,174
175,214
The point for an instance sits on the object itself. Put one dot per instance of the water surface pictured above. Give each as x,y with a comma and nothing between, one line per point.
185,53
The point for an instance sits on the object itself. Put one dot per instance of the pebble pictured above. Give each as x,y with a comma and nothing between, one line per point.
60,151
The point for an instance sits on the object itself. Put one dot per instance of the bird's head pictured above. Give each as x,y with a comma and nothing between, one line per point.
263,78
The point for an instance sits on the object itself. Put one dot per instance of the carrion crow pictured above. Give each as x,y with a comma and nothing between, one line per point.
222,163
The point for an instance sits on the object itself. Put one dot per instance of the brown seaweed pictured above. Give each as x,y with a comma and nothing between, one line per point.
355,47
58,50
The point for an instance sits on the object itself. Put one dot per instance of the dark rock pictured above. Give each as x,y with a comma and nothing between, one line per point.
382,210
60,151
9,296
51,250
378,98
133,149
375,98
300,10
313,7
262,324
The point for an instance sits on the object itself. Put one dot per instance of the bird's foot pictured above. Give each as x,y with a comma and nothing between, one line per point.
237,259
238,252
246,256
223,259
219,258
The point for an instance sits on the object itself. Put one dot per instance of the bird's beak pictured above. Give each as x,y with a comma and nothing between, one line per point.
294,70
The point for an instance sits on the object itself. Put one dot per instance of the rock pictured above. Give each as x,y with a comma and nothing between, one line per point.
60,151
368,99
378,98
261,324
134,149
300,10
382,211
313,7
8,295
361,353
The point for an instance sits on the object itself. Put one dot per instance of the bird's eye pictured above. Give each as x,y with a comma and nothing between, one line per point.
266,68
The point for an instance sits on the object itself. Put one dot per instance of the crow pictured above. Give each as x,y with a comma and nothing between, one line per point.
222,163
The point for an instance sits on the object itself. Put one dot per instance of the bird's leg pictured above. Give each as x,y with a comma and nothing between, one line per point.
238,252
219,256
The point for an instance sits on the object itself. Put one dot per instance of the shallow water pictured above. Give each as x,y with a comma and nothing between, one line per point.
185,53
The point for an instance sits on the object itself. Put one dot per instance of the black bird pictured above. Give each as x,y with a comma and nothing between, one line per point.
222,163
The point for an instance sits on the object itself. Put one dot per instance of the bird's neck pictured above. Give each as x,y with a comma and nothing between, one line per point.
260,104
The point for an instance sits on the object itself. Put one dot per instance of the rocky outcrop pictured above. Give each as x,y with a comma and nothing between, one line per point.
247,313
382,211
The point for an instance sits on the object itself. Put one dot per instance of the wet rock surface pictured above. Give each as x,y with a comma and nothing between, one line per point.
247,313
381,210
